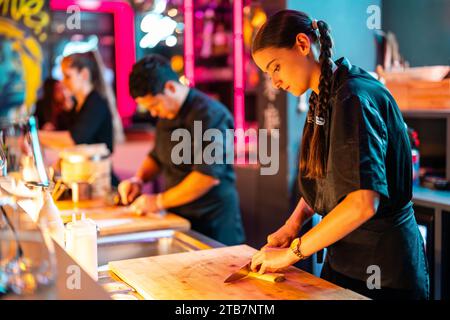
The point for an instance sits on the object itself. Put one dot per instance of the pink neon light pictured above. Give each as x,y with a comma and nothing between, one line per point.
189,56
239,99
124,45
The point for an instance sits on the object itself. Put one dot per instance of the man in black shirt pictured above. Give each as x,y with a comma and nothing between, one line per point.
203,193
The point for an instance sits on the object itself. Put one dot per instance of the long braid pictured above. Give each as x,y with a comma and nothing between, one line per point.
317,152
308,132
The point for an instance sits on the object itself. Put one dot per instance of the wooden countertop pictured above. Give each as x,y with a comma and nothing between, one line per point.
200,275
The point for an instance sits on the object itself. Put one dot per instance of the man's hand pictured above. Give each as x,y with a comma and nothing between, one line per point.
129,190
145,204
273,259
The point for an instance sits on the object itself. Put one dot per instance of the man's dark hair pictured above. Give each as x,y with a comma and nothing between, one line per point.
149,75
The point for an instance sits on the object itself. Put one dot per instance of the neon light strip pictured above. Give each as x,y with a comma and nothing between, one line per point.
189,55
124,46
239,98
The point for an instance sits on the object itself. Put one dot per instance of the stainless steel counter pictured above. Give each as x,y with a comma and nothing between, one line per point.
110,248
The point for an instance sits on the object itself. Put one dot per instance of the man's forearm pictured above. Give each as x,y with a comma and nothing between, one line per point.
148,170
194,186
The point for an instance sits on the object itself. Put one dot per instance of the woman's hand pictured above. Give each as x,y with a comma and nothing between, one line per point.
273,259
48,126
145,204
283,237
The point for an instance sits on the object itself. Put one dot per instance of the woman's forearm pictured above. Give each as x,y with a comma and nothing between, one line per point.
353,211
301,214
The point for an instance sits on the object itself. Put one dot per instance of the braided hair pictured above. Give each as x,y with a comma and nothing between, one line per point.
280,31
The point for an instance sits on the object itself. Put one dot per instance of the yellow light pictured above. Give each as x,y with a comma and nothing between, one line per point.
177,63
172,12
184,80
259,18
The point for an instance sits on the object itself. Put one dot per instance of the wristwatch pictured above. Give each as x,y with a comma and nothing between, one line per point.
159,203
295,247
137,180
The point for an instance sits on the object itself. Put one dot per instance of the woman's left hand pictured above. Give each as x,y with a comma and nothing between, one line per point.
273,259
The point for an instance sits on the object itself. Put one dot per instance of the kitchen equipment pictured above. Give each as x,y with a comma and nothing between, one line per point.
199,275
245,271
21,152
89,164
81,191
27,259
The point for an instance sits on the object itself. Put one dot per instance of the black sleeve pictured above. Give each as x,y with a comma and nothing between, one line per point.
91,117
154,154
219,121
358,148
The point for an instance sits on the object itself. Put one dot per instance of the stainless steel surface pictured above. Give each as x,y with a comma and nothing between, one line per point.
151,243
72,282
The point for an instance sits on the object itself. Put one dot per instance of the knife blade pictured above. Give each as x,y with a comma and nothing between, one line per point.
240,274
245,271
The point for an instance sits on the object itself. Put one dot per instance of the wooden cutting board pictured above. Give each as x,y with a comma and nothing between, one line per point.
200,275
116,219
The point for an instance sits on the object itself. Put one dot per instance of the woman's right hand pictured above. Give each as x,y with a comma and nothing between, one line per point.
129,190
283,237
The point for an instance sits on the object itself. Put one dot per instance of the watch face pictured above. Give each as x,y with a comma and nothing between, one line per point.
294,243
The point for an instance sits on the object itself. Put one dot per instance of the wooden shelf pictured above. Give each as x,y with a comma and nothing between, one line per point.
426,113
430,197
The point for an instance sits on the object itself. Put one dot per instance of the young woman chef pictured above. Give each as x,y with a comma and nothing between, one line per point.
355,168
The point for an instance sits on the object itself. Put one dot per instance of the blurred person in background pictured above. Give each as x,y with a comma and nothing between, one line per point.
92,115
53,110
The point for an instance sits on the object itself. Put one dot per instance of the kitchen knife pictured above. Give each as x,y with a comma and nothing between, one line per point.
245,271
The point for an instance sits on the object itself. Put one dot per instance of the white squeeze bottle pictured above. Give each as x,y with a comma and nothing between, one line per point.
81,244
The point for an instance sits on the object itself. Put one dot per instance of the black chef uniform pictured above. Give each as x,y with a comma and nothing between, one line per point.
93,124
216,214
368,148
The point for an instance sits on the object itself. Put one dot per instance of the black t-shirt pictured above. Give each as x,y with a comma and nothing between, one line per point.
368,148
93,123
368,145
215,214
62,120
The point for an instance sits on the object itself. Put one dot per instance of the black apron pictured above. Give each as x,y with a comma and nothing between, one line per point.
368,148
